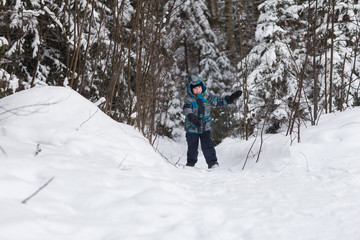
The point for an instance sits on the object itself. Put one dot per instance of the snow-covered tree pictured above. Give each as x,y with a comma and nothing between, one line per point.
344,58
271,71
8,82
332,44
304,60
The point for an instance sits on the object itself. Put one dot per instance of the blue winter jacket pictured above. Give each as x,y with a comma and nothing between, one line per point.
200,105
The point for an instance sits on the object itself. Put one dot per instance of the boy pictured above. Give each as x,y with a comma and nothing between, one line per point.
197,109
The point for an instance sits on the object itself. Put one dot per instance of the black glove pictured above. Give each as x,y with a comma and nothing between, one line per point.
230,99
194,119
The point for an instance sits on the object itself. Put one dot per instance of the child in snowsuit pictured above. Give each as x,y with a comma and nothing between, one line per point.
197,109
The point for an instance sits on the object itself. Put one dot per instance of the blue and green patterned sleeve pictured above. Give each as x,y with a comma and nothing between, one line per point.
216,101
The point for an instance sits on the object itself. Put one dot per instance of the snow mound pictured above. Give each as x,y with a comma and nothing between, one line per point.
92,164
332,141
46,118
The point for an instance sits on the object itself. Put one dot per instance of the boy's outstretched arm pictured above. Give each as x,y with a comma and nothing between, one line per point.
221,102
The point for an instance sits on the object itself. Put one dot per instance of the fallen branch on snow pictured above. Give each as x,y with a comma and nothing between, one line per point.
37,191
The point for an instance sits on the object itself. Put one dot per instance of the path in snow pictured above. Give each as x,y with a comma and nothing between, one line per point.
307,191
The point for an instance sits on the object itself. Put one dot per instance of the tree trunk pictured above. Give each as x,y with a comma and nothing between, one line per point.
78,45
332,56
186,56
230,45
316,87
342,90
214,10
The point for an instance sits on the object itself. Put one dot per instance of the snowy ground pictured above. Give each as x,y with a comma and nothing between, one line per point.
105,182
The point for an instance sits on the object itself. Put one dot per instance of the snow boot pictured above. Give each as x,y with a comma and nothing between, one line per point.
213,165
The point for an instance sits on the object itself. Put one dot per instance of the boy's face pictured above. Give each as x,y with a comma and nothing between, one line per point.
197,90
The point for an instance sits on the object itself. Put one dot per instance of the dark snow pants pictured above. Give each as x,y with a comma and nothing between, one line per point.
207,147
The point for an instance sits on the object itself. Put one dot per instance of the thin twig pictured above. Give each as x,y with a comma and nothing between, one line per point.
90,117
167,159
38,149
307,163
348,124
37,191
247,156
27,109
122,161
261,139
3,151
179,158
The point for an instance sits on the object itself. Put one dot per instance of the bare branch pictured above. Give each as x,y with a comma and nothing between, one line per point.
90,117
3,151
38,149
37,191
122,161
26,110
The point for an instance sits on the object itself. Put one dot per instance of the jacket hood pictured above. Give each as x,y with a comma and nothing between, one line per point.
194,80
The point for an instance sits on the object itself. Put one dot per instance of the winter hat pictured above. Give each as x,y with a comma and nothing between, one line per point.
192,86
194,79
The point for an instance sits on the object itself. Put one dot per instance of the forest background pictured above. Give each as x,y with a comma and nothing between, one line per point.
294,60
